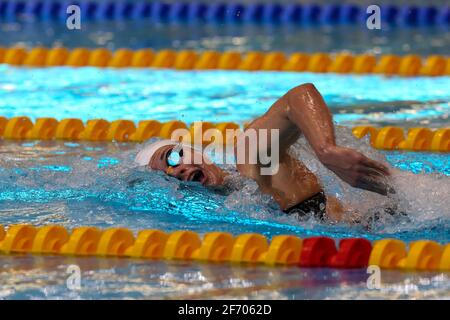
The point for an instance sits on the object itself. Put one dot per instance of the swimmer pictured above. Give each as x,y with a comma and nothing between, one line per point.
294,187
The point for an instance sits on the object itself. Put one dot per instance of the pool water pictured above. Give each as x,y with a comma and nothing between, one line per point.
75,184
34,277
216,96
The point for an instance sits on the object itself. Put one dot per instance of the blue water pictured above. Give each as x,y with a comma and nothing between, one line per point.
216,96
76,184
34,277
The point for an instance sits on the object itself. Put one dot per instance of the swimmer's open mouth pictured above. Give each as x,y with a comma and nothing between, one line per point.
197,176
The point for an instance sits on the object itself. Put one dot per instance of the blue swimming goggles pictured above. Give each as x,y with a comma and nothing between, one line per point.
174,156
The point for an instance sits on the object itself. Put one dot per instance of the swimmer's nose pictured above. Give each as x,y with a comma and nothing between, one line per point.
178,172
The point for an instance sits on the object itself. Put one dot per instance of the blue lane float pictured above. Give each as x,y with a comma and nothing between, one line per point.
291,13
350,13
253,12
235,12
427,15
409,15
311,13
224,12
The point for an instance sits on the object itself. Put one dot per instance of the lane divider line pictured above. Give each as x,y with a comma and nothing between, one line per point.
318,14
72,129
341,63
221,247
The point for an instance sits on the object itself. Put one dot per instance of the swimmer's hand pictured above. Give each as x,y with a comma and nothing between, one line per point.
356,169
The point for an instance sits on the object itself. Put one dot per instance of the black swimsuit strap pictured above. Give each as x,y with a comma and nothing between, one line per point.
316,205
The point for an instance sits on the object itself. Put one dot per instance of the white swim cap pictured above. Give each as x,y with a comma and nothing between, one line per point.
145,155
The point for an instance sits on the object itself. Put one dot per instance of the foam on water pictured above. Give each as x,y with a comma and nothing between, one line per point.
423,197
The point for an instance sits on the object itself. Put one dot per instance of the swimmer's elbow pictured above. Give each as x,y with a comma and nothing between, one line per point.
302,92
301,89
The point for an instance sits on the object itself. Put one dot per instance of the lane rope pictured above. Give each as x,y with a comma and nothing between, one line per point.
319,62
73,129
226,13
221,247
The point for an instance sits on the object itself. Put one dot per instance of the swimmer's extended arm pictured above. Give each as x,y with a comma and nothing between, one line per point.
303,110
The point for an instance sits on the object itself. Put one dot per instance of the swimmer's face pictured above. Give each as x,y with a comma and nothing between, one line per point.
179,162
